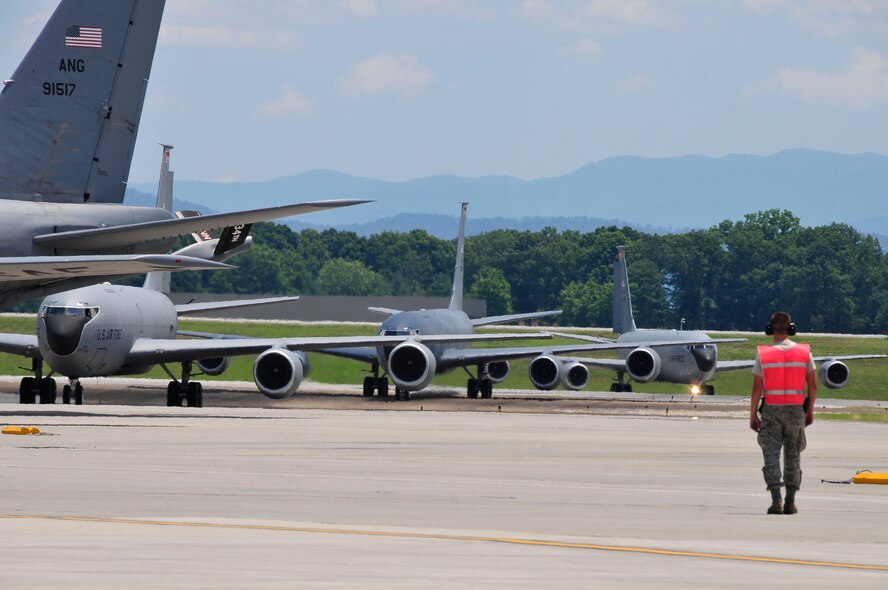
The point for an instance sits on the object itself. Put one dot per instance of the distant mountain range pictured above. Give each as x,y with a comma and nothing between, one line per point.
666,194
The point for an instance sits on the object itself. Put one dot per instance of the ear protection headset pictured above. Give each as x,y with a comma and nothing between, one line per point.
769,327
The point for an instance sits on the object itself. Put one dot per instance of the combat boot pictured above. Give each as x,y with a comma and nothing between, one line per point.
776,502
790,507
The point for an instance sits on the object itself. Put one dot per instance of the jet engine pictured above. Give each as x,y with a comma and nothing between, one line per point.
214,367
643,364
575,376
498,371
278,372
545,371
834,374
411,365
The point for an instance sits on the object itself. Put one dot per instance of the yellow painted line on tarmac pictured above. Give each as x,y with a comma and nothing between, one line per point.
446,537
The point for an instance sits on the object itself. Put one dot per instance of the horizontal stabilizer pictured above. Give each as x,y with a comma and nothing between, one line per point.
384,310
189,308
57,267
119,236
515,317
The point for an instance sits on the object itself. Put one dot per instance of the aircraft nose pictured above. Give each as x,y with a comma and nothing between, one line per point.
706,358
63,333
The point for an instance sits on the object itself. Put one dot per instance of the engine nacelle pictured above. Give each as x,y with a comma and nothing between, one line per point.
498,371
278,372
545,372
643,364
215,366
412,366
575,376
834,374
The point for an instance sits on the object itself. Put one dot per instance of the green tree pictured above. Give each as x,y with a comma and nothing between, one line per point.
491,285
349,277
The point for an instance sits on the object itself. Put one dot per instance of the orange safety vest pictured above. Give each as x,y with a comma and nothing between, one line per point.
784,373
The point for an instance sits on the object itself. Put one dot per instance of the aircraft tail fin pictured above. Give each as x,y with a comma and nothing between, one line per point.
165,184
161,280
70,114
456,299
622,313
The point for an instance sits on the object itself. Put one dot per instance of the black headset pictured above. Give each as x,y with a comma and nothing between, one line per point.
791,331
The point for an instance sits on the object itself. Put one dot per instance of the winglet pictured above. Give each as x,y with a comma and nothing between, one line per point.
456,299
622,313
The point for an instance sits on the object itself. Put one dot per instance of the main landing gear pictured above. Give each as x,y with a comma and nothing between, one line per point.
184,389
377,384
380,386
482,384
620,386
44,389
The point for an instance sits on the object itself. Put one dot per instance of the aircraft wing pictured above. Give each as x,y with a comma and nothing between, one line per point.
20,344
152,351
748,364
458,357
585,338
515,317
49,268
135,233
188,308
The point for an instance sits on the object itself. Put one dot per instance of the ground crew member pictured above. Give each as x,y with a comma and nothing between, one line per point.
782,370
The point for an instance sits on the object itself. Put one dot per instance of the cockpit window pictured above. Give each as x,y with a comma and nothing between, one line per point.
58,311
399,332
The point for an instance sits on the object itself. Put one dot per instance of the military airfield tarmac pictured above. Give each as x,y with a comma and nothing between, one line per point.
332,490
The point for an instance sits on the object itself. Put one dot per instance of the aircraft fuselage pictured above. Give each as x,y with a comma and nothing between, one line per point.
426,322
23,220
691,364
89,332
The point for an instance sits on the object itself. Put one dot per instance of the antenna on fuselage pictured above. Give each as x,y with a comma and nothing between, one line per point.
456,298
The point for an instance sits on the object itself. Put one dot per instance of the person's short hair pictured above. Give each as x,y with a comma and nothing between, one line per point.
780,321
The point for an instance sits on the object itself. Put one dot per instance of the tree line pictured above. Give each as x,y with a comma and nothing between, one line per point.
730,276
733,275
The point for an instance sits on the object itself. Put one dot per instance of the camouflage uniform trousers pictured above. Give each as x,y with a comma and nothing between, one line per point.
782,427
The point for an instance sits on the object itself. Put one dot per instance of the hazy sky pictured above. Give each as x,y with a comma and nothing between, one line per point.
397,89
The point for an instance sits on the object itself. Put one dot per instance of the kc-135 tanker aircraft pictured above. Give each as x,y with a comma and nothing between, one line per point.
68,122
413,364
694,362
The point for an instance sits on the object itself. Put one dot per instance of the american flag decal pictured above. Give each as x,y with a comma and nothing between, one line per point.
79,36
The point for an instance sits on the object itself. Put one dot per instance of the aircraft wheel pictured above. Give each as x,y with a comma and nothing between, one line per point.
486,388
78,395
709,389
402,395
472,388
382,387
47,390
369,386
194,395
66,394
26,390
173,399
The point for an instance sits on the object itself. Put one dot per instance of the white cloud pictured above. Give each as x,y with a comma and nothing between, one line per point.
292,102
400,74
459,8
634,84
585,14
224,37
829,18
360,8
863,83
582,48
